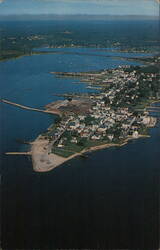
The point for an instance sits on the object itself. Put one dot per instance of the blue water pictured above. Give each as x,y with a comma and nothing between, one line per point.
28,81
107,201
31,77
106,52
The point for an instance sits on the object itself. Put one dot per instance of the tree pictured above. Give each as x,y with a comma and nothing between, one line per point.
89,120
106,100
69,99
57,120
82,141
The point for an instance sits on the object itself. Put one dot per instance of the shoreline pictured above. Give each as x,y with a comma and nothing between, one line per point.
43,161
34,53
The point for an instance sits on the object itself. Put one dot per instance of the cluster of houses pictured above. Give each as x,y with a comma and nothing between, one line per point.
103,121
35,37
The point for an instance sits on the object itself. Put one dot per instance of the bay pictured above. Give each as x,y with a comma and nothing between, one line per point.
107,201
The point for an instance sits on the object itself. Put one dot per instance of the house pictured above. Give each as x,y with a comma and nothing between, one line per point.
81,117
84,135
135,134
102,128
74,125
146,120
60,144
74,140
96,137
110,137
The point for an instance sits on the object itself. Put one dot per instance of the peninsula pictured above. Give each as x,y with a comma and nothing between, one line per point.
117,113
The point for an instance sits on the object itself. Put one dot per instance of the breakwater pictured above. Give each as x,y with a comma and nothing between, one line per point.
53,111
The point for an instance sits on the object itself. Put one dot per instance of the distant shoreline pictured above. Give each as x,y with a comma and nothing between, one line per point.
34,53
82,17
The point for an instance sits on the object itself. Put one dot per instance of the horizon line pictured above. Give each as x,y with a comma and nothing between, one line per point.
76,16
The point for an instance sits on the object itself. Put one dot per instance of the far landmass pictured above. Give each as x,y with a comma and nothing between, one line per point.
117,113
19,39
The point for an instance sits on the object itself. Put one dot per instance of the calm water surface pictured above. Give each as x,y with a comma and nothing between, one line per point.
107,201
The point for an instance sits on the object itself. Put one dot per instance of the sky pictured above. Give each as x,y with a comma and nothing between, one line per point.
73,7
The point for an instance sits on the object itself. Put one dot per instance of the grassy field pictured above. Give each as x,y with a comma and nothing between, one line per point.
62,152
72,148
68,150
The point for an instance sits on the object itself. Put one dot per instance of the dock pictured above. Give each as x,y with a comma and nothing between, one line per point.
18,153
153,109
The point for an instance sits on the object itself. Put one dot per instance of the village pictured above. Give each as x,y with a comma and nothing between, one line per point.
115,114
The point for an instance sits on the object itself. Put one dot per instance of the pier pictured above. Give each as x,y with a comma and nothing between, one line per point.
153,109
53,111
149,109
17,153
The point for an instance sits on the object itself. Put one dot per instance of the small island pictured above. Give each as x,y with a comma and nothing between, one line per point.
118,112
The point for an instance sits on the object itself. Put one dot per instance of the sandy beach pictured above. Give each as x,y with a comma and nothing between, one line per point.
44,161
